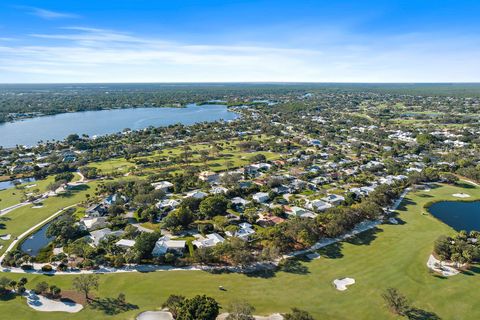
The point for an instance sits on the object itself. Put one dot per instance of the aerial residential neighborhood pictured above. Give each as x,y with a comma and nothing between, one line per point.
239,160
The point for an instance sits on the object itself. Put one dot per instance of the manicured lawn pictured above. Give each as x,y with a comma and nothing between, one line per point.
390,256
21,219
115,165
10,197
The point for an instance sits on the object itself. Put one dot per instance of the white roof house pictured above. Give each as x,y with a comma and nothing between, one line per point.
162,185
99,235
92,223
319,205
239,201
125,243
334,199
167,203
210,241
243,233
261,197
218,190
164,244
196,194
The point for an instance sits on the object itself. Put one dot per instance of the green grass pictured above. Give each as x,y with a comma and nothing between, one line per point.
116,165
20,220
10,197
390,256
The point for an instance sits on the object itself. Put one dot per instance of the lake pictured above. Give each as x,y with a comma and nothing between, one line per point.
36,241
460,215
11,183
57,127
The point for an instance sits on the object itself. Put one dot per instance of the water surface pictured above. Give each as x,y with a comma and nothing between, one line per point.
11,183
460,215
57,127
36,241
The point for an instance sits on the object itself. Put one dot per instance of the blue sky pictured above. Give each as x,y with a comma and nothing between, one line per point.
216,41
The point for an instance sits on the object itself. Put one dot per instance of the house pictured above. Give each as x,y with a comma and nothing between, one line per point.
125,243
96,210
318,205
261,197
93,223
165,244
113,199
165,186
196,194
208,176
266,221
99,235
334,199
218,190
239,203
211,240
244,231
167,204
299,212
281,189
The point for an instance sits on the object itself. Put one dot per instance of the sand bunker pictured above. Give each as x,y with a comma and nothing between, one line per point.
6,237
461,195
155,315
40,303
341,284
37,207
445,269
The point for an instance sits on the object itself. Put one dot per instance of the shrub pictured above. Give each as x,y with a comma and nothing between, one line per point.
47,268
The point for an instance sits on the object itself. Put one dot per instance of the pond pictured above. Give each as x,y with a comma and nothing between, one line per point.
460,215
12,183
36,241
57,127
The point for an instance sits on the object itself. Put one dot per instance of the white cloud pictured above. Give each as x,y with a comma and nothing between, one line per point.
48,14
79,54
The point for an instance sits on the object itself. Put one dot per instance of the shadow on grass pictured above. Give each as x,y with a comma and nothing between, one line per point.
333,251
425,195
440,277
406,202
7,296
465,185
419,314
112,306
293,266
263,273
365,238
